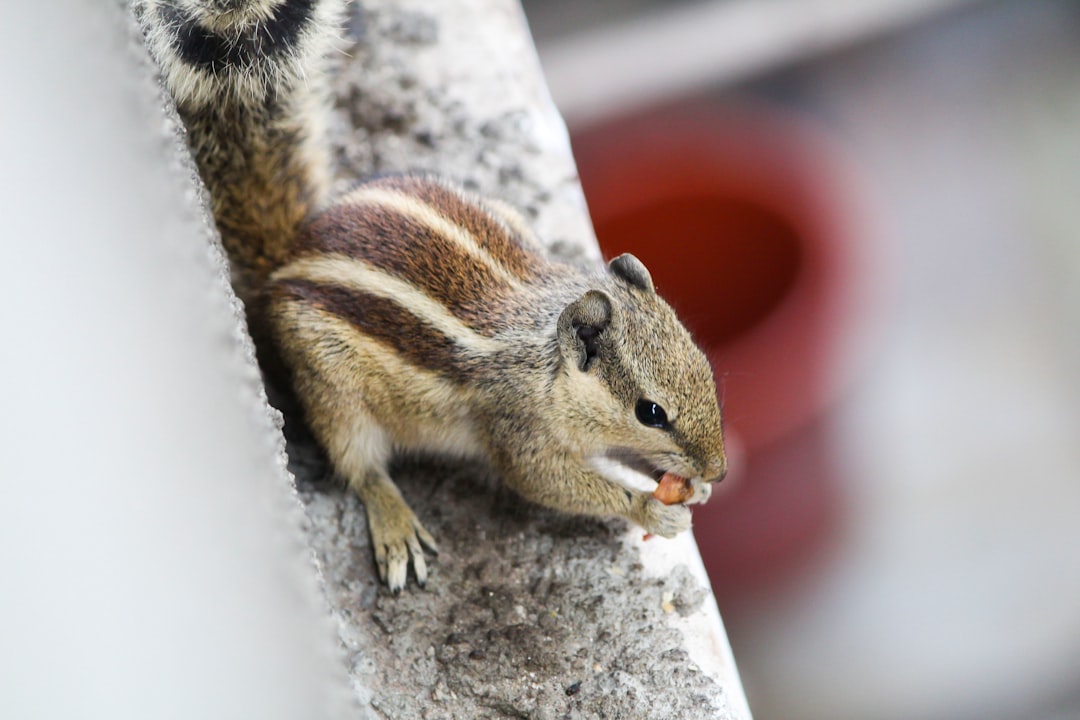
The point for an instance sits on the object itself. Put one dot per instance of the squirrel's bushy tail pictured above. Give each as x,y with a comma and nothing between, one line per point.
246,77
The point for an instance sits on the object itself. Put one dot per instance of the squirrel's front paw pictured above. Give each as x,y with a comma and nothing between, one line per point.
396,539
702,491
660,519
396,536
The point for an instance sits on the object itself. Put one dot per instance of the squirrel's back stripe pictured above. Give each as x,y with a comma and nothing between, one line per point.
352,275
386,321
408,240
502,241
418,211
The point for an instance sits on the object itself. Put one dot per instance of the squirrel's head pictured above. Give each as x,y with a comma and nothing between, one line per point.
639,393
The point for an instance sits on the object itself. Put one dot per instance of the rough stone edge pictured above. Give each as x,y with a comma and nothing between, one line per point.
703,631
267,420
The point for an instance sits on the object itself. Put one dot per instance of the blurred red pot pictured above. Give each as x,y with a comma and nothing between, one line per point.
748,226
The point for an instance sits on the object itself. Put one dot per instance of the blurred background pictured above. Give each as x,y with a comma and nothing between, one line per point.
869,213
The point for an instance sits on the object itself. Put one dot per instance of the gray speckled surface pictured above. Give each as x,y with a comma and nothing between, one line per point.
527,612
455,88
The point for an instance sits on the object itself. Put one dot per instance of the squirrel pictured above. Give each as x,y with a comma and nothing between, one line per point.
413,316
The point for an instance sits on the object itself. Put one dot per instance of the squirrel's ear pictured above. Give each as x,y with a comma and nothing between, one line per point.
581,325
633,271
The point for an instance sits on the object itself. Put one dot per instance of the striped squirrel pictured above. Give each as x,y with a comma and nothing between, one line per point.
412,316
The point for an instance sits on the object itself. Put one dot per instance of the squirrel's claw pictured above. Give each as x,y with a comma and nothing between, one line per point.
396,535
393,553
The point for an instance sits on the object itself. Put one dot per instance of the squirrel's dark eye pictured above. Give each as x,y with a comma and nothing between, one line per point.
651,414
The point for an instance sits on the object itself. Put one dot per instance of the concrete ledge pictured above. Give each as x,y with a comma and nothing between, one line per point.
528,613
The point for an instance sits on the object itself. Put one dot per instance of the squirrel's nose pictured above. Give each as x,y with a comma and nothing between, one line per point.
716,469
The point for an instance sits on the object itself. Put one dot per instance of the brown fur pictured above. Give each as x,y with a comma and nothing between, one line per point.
262,188
506,243
384,321
255,122
413,316
506,355
443,271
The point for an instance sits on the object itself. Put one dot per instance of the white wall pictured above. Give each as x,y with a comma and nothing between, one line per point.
148,567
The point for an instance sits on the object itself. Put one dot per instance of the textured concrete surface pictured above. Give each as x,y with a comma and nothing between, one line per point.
527,613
